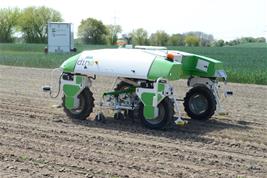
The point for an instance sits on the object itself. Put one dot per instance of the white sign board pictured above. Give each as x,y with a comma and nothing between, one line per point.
60,37
202,65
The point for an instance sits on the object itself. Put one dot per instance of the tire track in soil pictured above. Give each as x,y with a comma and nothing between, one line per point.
46,134
78,148
32,114
185,148
189,134
214,140
37,140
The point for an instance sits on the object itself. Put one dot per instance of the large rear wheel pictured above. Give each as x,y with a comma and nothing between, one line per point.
200,103
85,108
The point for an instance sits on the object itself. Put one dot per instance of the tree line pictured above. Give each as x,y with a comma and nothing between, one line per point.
31,24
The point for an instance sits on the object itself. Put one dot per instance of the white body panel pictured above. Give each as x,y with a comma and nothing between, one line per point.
178,55
60,37
131,63
151,47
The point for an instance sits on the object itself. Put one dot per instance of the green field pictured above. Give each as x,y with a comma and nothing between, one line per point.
32,55
244,63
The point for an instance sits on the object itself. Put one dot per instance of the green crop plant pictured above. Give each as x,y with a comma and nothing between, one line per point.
246,63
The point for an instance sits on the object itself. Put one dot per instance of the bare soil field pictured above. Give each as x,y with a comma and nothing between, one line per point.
38,140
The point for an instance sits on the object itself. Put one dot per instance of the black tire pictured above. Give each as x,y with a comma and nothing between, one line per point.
166,112
118,116
200,103
85,108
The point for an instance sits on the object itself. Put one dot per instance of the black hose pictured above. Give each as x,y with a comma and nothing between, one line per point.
59,87
92,77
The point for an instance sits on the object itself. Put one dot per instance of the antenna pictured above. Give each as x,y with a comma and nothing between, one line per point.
115,18
114,25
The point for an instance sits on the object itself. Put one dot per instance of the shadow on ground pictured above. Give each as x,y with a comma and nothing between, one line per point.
193,131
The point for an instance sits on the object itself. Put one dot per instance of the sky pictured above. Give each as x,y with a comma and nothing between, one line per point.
225,19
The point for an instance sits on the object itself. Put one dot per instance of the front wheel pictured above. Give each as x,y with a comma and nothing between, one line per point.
200,103
166,112
85,108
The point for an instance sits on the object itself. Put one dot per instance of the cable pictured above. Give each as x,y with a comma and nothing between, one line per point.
59,87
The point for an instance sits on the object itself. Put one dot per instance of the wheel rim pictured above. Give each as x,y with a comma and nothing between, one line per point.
160,117
198,104
80,108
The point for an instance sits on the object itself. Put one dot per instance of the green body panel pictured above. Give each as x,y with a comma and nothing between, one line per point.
69,65
147,100
161,87
165,69
79,79
189,66
70,92
160,97
69,102
149,110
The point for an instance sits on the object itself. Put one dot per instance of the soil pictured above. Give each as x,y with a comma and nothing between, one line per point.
38,140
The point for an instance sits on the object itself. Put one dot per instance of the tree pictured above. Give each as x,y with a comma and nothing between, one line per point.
8,23
245,40
204,39
112,33
192,40
127,38
92,31
219,43
176,40
261,40
160,38
33,23
234,42
139,37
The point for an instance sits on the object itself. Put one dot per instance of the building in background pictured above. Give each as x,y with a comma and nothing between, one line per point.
60,37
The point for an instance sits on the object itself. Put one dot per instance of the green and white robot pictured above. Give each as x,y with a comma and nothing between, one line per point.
143,87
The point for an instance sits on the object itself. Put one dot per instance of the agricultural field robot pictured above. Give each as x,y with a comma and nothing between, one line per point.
142,89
